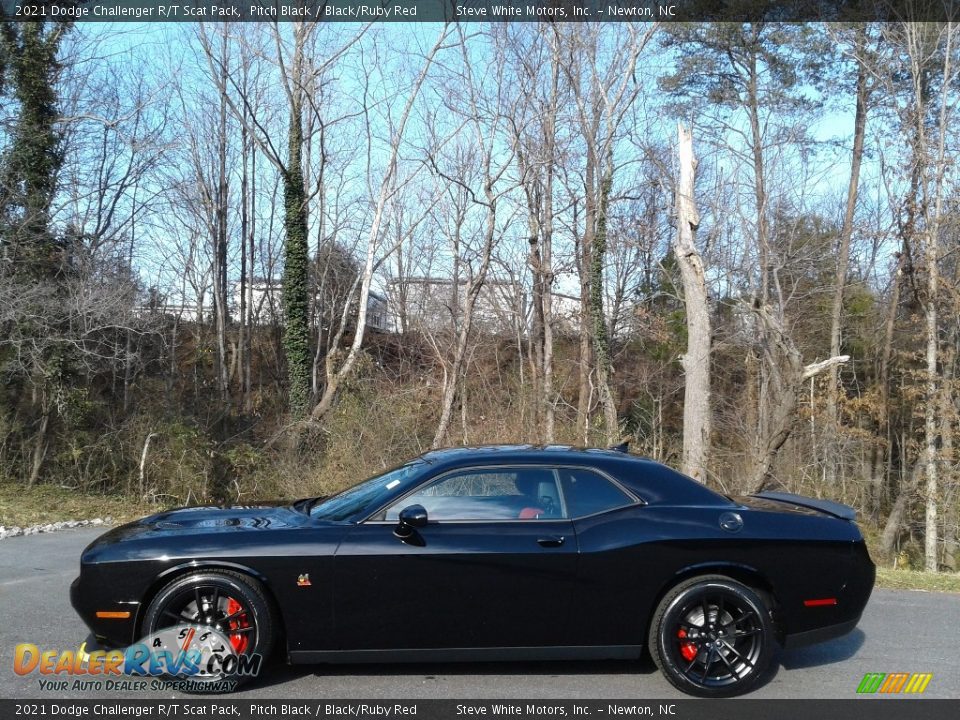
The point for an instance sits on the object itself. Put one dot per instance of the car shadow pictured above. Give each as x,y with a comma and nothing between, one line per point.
279,674
825,653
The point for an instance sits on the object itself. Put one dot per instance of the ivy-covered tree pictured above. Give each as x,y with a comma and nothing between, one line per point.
296,334
29,165
31,255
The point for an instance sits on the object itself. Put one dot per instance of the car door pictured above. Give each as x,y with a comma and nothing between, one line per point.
494,567
615,563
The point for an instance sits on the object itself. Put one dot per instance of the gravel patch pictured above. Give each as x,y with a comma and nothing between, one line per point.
16,531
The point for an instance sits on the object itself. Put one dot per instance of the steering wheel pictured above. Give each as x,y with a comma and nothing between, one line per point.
548,505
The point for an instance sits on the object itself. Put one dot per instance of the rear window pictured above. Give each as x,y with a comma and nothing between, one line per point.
587,492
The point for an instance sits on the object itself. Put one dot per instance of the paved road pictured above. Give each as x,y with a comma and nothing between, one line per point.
900,631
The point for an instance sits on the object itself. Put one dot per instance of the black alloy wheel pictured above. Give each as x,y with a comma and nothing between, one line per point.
712,636
232,604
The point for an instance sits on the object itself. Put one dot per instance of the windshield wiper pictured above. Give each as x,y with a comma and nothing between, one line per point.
303,505
314,501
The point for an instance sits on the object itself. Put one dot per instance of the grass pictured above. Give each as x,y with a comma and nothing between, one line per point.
897,579
20,506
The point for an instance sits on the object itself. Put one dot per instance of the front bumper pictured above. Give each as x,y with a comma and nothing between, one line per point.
87,598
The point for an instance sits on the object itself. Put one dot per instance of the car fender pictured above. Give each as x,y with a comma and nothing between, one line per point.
741,572
200,565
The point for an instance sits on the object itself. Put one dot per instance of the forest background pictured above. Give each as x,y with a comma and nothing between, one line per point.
258,260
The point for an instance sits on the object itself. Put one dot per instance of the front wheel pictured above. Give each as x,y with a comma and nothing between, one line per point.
235,611
712,636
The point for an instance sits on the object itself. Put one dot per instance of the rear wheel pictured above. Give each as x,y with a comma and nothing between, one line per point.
712,636
229,603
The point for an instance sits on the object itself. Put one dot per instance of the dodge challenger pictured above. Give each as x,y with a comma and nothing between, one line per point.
496,553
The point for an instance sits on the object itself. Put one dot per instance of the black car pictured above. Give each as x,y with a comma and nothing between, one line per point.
494,553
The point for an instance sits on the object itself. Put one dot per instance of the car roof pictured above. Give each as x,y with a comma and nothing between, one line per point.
486,451
652,481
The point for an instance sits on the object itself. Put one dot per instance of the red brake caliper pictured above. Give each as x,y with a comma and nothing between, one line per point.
238,640
687,648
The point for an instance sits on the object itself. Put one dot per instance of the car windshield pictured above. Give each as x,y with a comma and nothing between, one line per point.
368,495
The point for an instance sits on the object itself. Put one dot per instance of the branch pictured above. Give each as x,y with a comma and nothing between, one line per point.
818,367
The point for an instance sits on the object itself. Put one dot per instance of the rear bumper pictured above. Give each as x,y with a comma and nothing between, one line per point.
826,596
818,635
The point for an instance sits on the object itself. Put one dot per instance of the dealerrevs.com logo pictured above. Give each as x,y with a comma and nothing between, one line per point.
893,683
185,657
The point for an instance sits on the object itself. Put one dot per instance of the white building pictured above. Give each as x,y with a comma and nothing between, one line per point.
266,307
431,303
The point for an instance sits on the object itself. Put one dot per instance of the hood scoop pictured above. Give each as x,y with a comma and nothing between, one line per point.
214,518
213,522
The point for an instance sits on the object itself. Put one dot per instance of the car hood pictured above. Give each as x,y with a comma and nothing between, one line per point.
245,517
202,521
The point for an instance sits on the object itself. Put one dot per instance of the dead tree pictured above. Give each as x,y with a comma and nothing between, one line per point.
696,360
781,385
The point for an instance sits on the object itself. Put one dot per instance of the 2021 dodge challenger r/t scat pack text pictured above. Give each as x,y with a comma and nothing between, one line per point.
496,553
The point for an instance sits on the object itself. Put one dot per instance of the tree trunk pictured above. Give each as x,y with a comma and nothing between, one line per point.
539,197
759,182
601,339
454,377
891,529
696,361
843,259
930,430
946,458
143,464
243,338
780,385
296,332
931,315
536,335
584,399
220,242
883,411
40,446
250,240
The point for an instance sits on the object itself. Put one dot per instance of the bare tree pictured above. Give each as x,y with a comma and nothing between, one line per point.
389,186
927,50
297,73
862,97
696,361
485,116
535,128
920,47
782,383
604,89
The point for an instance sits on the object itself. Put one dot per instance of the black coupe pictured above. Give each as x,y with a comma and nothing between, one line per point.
494,553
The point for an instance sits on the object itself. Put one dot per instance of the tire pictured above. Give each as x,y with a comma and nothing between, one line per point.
230,602
725,656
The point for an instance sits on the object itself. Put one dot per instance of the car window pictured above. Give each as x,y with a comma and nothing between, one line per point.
587,492
487,494
370,494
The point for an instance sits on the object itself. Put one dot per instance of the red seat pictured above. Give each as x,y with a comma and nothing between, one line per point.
530,513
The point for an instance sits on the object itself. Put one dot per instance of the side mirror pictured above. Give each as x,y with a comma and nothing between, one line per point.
411,518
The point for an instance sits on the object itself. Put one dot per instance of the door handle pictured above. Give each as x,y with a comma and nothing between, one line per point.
553,541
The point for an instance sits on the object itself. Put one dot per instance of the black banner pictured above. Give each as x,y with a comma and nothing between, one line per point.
480,10
250,709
